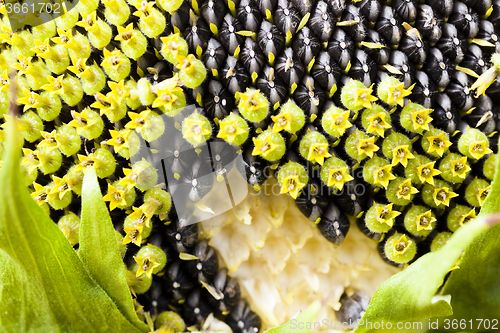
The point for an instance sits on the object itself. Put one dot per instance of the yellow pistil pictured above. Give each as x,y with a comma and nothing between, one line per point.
292,185
85,162
386,215
31,100
106,104
66,38
249,102
115,196
229,130
144,10
401,245
405,190
112,59
133,234
318,152
119,140
126,34
172,45
367,147
283,121
79,67
482,194
60,189
397,94
467,217
137,120
119,90
196,130
338,177
55,85
340,122
166,96
439,144
5,81
146,266
427,172
88,22
479,148
187,64
44,50
401,155
5,30
40,194
49,140
378,124
460,168
425,220
364,97
31,161
421,119
263,147
81,121
443,195
24,66
384,175
129,180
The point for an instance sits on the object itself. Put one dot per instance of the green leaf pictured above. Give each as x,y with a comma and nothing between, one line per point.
409,296
477,281
44,285
15,278
99,250
303,323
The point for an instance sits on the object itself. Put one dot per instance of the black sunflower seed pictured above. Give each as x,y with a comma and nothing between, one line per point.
389,25
242,319
207,264
289,67
376,47
218,101
464,19
309,96
445,114
334,225
438,68
407,9
424,91
249,15
322,22
270,39
452,43
234,75
228,35
228,289
306,46
215,55
213,11
428,23
272,86
252,57
325,71
313,200
356,28
341,48
363,68
459,91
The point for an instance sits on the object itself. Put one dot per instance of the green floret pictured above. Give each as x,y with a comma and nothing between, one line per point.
419,221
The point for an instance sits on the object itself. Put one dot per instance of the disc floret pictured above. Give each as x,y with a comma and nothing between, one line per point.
355,96
292,178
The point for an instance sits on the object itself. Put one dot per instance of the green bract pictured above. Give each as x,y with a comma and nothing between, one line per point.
60,291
